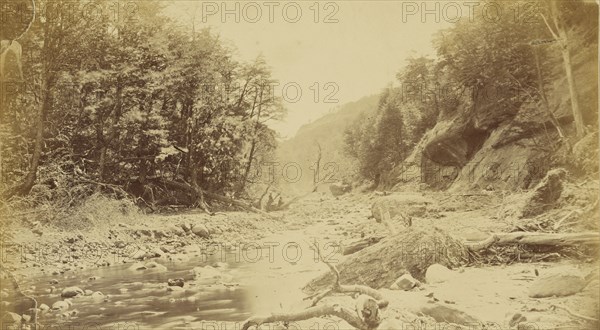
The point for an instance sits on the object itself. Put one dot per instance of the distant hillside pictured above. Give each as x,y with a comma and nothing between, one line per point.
328,132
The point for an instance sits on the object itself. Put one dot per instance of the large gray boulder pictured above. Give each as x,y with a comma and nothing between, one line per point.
71,292
559,285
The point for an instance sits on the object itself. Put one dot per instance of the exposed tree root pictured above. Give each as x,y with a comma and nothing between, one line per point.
365,316
309,313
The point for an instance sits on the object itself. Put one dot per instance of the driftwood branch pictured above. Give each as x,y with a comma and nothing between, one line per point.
537,239
583,317
309,313
364,317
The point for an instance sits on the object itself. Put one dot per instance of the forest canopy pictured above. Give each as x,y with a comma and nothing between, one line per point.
132,103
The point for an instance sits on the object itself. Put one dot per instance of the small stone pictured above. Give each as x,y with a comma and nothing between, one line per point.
187,228
71,292
175,282
174,289
44,308
437,273
201,231
98,296
156,266
405,282
53,281
176,230
60,306
88,292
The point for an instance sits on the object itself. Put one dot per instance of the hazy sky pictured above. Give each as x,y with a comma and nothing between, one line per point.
356,46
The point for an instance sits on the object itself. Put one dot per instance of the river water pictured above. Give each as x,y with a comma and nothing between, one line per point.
222,288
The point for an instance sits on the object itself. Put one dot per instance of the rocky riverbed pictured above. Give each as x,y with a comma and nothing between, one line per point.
192,270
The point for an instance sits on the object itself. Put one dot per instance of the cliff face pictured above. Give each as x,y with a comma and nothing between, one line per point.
482,146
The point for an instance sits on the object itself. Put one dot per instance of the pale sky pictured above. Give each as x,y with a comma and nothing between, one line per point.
359,54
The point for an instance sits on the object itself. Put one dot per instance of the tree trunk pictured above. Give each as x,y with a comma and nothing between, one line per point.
544,97
26,184
579,125
253,147
566,54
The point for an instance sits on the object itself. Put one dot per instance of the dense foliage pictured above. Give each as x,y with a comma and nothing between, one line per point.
131,101
485,70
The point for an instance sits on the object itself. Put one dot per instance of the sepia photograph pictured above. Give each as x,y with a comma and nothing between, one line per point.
299,165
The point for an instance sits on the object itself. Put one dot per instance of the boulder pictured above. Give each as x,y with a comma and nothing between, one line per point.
60,306
448,314
408,204
175,282
10,317
98,296
201,231
176,230
437,273
44,308
338,188
405,282
474,235
556,285
71,291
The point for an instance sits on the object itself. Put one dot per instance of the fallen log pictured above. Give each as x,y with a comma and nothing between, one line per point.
537,238
217,197
243,205
413,250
